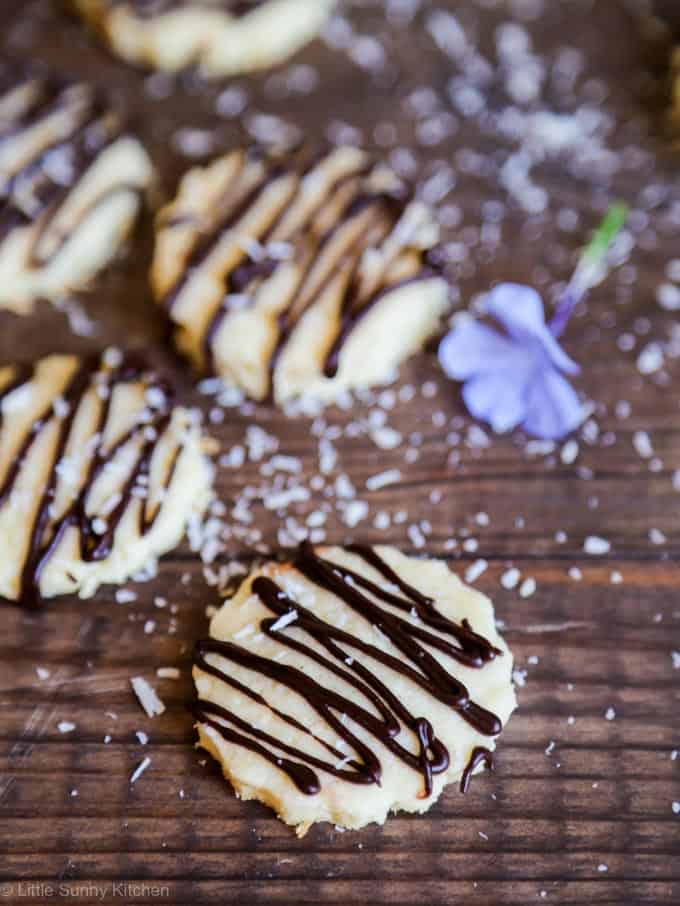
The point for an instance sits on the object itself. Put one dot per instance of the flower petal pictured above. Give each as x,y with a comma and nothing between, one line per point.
520,310
473,348
553,408
558,356
497,398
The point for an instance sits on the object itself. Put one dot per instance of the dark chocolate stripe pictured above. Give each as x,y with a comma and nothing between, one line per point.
339,652
351,316
149,9
480,755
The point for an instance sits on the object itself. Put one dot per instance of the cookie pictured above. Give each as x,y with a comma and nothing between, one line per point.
220,37
289,275
675,91
99,474
72,183
350,683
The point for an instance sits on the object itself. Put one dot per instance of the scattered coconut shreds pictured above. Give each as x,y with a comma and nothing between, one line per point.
527,588
651,359
168,673
386,438
610,714
643,445
383,479
284,620
142,737
43,673
147,696
519,677
66,726
595,546
475,570
354,513
569,452
510,578
139,770
656,536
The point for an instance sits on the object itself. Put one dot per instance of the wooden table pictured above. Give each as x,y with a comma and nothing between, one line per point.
581,807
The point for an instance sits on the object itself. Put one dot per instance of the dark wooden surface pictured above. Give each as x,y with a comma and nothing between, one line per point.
581,807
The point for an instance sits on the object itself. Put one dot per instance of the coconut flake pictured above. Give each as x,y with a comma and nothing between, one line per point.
284,620
147,696
139,770
595,546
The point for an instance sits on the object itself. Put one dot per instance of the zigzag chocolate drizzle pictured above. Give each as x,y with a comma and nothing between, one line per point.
35,187
326,243
342,657
47,529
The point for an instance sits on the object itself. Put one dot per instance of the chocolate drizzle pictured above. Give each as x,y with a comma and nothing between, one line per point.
359,209
480,755
149,9
340,653
92,379
78,128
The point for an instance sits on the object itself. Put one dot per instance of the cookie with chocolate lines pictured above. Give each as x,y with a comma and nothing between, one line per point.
291,275
99,474
350,683
72,182
220,37
675,91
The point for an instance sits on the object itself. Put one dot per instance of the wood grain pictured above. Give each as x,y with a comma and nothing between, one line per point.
580,807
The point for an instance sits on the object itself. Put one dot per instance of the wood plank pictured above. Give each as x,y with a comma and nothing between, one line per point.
580,809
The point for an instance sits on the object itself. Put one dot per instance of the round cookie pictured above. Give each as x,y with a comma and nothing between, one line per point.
221,37
289,276
72,182
350,683
99,474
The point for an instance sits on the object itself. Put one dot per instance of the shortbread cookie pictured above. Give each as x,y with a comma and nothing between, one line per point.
293,276
99,474
675,90
350,683
71,180
221,37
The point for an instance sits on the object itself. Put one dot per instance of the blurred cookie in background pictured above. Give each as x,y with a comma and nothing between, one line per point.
100,473
294,275
72,179
219,37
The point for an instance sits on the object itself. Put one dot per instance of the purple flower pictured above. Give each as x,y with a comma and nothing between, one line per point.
515,377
